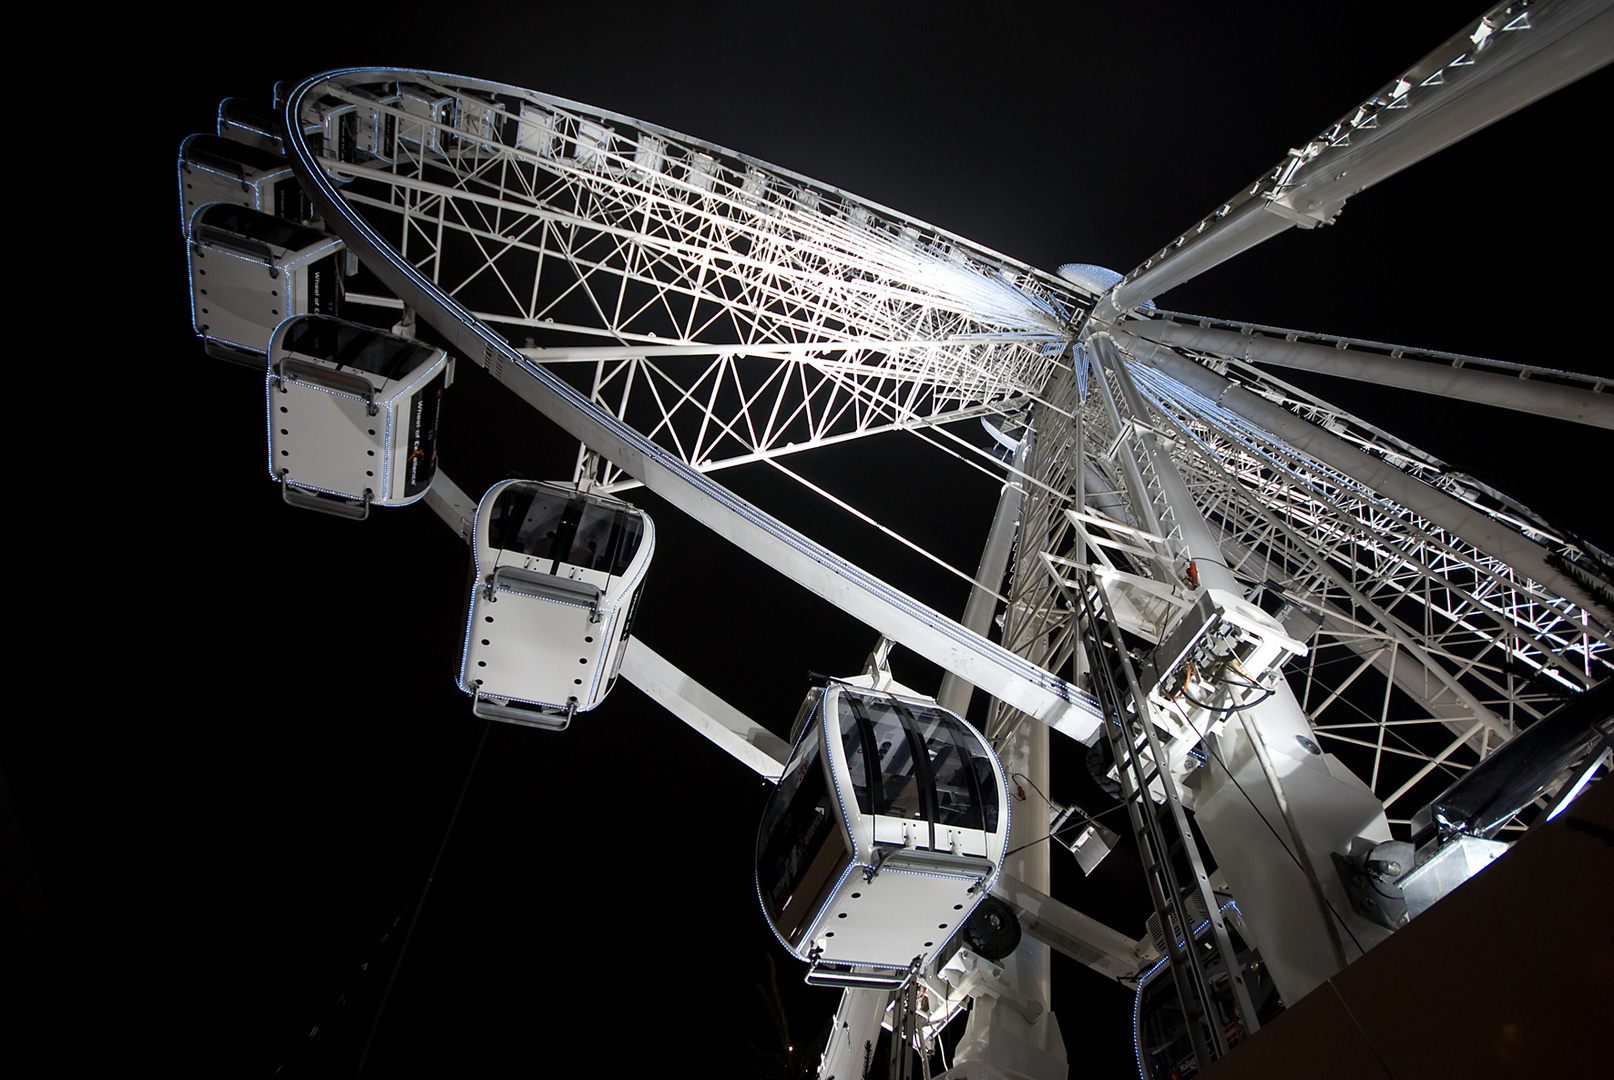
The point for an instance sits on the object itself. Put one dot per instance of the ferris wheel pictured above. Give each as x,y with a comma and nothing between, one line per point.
1174,511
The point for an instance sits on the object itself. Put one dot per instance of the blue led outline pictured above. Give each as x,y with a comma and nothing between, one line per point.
1008,811
184,218
694,480
1148,976
269,381
756,878
835,783
599,668
386,443
1137,1014
329,491
470,621
269,416
928,873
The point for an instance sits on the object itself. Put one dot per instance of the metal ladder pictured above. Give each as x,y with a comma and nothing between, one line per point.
1163,835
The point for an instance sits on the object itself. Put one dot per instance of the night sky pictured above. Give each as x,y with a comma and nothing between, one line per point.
240,777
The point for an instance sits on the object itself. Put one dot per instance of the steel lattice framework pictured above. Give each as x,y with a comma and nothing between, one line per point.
678,309
733,311
1472,649
753,312
1426,653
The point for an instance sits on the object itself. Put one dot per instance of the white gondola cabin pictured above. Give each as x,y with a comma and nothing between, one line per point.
250,271
359,128
352,415
884,833
428,117
555,584
213,168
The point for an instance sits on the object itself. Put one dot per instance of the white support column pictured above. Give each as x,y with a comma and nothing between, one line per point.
999,1036
1290,893
1022,1038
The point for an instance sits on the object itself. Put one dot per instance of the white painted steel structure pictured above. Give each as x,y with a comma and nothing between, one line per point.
415,218
680,308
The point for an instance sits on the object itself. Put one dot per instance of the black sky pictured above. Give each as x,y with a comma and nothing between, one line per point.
237,774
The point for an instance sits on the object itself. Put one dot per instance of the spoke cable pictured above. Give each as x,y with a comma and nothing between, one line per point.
414,919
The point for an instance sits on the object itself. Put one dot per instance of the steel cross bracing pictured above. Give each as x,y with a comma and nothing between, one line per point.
708,309
1476,648
1426,653
754,312
1392,450
733,312
1389,550
720,408
329,169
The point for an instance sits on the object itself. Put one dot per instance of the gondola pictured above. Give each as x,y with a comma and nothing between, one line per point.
250,271
886,830
555,584
352,415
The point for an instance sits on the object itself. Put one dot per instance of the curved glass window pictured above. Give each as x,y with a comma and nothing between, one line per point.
966,789
255,225
359,347
558,525
917,762
800,847
857,741
606,538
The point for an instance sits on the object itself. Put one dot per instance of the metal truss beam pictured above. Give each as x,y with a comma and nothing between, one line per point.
898,616
1512,55
1504,544
719,722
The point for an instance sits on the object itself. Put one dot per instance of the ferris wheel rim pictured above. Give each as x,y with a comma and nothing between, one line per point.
1036,690
491,340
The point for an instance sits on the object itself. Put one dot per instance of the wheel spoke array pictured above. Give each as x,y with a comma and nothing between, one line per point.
732,312
797,314
1425,653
